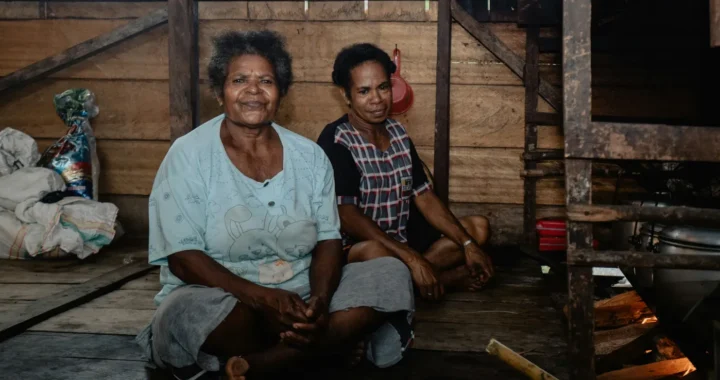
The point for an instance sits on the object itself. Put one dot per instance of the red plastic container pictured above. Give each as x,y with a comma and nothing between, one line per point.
551,227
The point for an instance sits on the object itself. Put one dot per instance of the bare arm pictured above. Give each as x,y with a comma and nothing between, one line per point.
195,267
440,217
325,269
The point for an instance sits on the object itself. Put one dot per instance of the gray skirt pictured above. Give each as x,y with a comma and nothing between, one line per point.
188,315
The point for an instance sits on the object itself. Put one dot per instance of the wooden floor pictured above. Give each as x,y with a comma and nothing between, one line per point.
95,339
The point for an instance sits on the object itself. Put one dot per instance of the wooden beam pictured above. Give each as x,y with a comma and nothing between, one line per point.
81,51
442,102
539,12
577,97
532,80
715,23
625,141
544,118
55,304
589,257
607,213
491,42
183,60
651,371
543,155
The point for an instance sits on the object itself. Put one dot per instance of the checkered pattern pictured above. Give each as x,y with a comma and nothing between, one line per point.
386,186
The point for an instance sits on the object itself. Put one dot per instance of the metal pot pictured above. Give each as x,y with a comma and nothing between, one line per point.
678,290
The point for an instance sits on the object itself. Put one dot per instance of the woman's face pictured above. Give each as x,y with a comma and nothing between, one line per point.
250,93
370,92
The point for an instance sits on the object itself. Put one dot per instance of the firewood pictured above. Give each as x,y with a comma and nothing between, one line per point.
651,371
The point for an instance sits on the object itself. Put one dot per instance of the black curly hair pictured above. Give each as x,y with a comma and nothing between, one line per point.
265,43
353,56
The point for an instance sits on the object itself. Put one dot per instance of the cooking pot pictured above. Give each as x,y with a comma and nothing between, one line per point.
403,96
678,290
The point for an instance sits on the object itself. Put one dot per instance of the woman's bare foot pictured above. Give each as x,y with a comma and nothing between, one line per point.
460,279
236,368
357,353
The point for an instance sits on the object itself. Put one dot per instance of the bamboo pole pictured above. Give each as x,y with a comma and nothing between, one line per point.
518,362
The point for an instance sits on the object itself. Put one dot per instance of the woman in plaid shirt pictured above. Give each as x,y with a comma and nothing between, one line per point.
386,204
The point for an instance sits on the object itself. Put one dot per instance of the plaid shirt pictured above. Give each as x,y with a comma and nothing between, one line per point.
380,183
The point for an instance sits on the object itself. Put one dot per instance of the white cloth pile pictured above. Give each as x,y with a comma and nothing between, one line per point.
30,228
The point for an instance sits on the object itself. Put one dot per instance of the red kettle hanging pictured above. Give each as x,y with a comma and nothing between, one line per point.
402,92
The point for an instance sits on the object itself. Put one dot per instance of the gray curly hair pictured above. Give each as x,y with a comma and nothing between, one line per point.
265,43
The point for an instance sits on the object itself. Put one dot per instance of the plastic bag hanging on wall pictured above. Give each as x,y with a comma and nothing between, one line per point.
74,156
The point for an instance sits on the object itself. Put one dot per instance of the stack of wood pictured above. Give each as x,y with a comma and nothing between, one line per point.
629,343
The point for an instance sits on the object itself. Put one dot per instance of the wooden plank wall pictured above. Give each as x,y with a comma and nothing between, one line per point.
131,84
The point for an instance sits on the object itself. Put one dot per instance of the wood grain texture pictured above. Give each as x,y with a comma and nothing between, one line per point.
17,10
657,370
208,10
184,70
128,109
276,10
714,23
336,10
98,321
53,345
29,291
441,158
101,9
397,11
83,50
132,214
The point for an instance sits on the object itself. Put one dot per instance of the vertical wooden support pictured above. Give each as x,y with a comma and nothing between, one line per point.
532,82
442,102
715,23
183,61
578,183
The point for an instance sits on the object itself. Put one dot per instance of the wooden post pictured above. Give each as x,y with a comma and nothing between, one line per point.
532,81
578,184
442,102
715,23
183,60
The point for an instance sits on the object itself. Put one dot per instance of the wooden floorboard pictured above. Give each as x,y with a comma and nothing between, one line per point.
450,336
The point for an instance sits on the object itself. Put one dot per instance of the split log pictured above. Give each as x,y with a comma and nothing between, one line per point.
619,311
650,371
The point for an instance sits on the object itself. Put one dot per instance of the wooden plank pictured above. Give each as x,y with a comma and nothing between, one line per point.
676,214
480,116
544,340
74,369
643,142
484,315
83,50
123,171
276,10
714,23
125,299
504,53
650,371
49,306
183,59
441,158
130,110
397,11
63,345
223,10
643,260
75,274
607,341
101,9
132,214
144,57
336,10
208,10
16,10
627,353
150,281
29,292
98,321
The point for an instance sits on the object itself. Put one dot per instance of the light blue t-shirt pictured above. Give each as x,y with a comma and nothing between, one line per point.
262,232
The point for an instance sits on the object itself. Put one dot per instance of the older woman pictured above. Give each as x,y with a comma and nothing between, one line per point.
377,175
245,228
